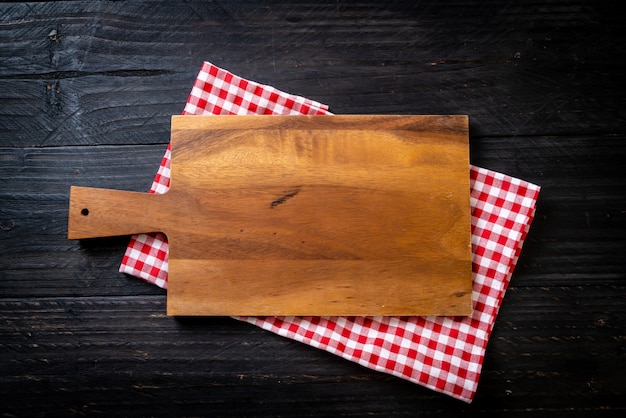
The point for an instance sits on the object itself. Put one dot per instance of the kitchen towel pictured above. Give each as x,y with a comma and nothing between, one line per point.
442,353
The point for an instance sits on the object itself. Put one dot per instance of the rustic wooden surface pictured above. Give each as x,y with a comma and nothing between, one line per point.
86,93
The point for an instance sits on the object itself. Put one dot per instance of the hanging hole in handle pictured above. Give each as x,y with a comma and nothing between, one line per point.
84,212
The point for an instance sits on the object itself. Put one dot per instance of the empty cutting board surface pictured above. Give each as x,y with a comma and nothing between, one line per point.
305,215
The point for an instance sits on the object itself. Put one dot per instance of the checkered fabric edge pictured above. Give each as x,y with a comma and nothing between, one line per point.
441,353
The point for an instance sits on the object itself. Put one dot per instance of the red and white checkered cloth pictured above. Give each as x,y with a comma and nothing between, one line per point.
441,353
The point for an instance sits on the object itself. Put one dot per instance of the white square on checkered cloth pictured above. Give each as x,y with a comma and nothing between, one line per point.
441,353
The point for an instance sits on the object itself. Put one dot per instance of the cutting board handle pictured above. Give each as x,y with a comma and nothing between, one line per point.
97,212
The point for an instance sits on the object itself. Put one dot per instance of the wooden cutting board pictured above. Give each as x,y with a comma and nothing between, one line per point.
305,215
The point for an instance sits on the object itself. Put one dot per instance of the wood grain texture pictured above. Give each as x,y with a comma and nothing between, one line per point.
312,215
98,79
542,82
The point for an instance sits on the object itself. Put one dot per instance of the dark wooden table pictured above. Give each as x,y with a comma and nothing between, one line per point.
86,94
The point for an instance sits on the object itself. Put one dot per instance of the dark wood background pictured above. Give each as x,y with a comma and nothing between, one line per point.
86,94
